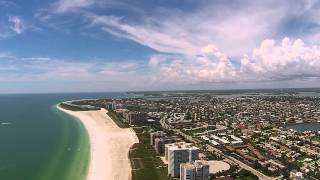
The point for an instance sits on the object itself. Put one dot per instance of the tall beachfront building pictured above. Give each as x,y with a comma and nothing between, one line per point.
178,153
154,135
197,170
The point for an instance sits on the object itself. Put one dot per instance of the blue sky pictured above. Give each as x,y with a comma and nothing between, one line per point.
109,45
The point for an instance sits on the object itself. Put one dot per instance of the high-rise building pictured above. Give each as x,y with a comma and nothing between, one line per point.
136,117
154,135
159,143
178,153
197,170
187,171
111,106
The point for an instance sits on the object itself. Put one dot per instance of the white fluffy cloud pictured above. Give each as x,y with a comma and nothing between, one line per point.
196,46
209,66
289,59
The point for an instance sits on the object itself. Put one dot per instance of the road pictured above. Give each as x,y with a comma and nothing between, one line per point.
254,171
241,164
211,148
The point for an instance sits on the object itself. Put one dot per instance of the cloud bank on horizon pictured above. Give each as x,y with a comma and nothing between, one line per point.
98,45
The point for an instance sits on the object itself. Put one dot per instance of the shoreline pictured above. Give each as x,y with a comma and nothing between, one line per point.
109,145
299,126
310,122
79,159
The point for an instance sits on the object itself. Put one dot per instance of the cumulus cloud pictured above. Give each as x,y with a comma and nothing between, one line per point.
271,61
196,46
289,59
156,60
209,66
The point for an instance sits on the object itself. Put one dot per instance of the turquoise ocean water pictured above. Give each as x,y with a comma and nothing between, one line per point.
39,142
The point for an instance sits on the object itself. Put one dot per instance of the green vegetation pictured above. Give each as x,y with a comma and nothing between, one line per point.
235,174
77,107
71,108
246,175
145,163
118,120
316,138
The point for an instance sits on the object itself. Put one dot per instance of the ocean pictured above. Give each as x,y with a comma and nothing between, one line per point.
39,142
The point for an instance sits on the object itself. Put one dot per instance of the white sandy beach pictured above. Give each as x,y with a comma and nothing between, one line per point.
109,145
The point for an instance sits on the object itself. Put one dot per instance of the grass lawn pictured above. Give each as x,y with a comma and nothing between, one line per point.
246,175
246,178
117,119
145,163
